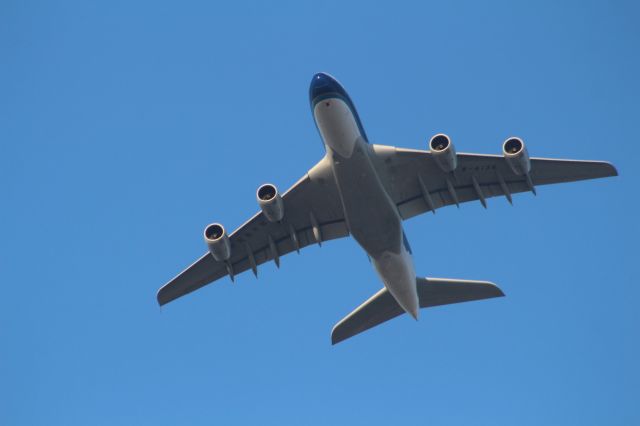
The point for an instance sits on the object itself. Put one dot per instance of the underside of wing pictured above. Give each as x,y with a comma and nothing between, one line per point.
312,214
417,184
382,307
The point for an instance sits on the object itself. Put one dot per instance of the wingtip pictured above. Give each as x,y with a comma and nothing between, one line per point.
338,333
606,169
161,297
335,340
498,290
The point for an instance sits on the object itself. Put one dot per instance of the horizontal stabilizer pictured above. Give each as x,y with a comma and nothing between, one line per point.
382,306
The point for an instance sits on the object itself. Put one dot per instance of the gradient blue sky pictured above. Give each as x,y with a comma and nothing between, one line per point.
126,127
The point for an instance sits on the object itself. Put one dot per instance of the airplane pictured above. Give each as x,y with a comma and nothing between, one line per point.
366,191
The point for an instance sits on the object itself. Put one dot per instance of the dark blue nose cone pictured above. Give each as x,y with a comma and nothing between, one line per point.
324,86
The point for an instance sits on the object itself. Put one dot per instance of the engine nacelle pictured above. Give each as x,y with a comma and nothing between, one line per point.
517,156
443,152
270,202
218,242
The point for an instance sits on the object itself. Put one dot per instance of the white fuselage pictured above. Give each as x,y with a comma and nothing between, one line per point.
371,215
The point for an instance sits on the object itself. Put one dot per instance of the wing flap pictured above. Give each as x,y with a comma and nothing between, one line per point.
382,307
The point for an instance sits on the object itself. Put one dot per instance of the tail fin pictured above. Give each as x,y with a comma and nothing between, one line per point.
382,306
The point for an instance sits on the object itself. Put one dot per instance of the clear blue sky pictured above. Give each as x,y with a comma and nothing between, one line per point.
126,127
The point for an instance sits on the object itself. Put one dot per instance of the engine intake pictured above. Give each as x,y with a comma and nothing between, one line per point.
443,152
270,202
515,152
218,241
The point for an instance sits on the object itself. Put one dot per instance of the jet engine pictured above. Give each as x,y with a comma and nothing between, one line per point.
517,156
218,242
443,152
270,202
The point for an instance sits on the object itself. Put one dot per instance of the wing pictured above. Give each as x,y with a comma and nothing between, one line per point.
313,213
418,185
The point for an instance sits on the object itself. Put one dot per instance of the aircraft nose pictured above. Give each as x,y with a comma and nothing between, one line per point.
322,84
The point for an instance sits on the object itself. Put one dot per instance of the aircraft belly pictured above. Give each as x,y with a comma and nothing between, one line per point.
375,224
372,217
